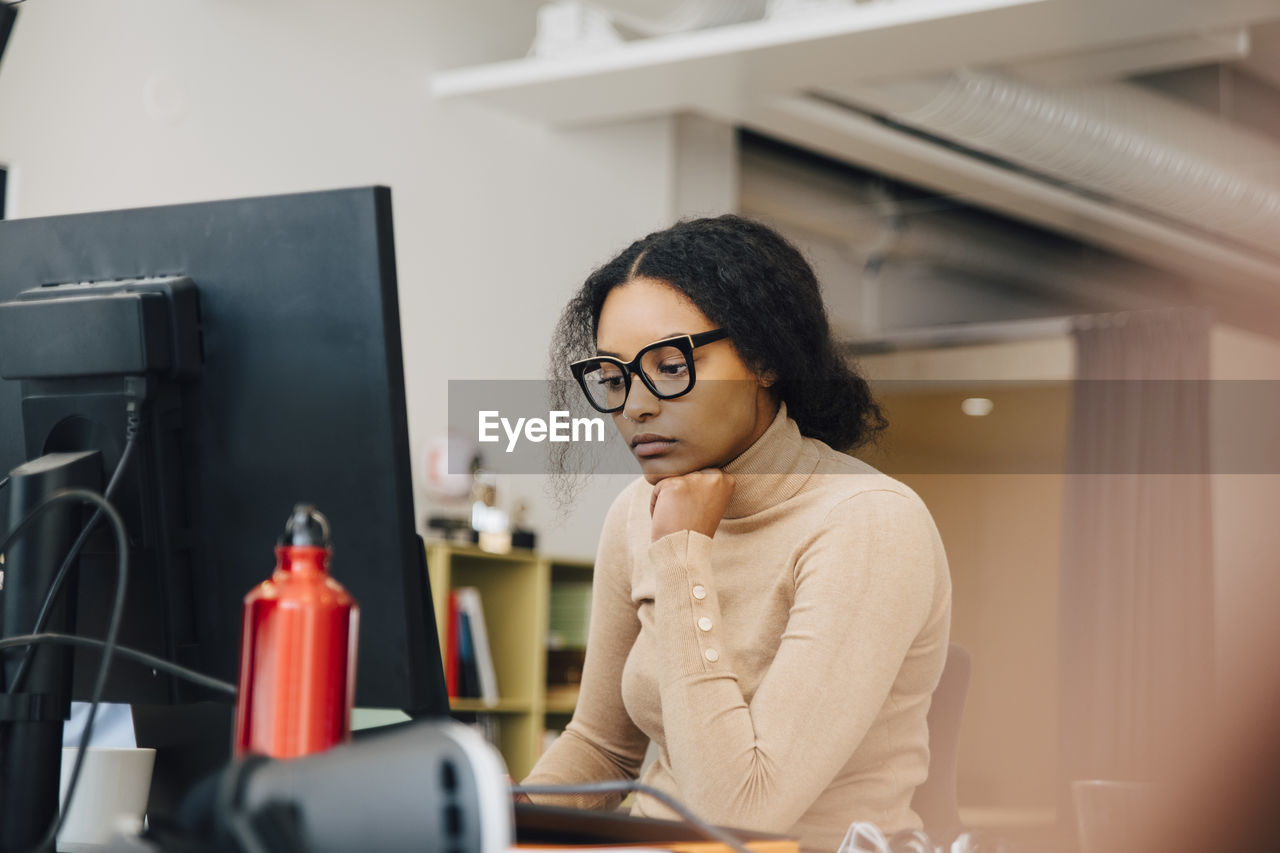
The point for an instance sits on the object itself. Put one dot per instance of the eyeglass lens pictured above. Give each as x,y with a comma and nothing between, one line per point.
666,368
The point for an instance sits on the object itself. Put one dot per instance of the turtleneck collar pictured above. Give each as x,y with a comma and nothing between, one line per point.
771,470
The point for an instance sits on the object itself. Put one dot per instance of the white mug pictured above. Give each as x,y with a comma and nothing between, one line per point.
112,792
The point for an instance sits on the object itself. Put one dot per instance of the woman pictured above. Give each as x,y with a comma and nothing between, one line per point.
771,612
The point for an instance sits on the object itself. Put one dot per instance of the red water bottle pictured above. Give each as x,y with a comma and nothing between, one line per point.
298,650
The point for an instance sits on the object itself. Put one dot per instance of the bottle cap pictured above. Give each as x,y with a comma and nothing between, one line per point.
307,527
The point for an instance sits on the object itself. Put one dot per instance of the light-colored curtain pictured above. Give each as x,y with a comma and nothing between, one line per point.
1136,595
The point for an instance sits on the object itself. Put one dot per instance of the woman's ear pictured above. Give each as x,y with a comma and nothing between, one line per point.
768,379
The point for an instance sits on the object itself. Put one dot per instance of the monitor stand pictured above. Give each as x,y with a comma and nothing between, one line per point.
31,721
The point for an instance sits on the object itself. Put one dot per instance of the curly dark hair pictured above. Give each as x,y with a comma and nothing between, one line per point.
749,280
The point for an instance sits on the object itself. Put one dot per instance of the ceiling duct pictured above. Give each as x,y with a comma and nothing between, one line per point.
884,226
1114,140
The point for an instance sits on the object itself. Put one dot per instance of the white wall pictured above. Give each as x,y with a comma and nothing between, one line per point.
141,102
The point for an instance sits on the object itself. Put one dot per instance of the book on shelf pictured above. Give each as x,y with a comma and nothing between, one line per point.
468,675
451,647
471,657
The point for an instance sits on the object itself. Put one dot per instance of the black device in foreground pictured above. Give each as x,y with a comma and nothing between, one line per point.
256,343
427,786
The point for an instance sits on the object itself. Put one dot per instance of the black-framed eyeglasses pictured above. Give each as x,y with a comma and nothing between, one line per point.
665,367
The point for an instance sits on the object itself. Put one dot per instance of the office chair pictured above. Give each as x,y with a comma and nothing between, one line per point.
935,799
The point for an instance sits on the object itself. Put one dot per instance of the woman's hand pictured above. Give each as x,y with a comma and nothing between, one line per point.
695,501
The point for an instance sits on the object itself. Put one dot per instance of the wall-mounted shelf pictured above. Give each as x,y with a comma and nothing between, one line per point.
726,70
717,71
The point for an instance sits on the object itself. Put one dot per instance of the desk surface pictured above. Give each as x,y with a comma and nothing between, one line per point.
552,826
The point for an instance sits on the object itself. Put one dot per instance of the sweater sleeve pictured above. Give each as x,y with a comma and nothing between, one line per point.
865,584
601,743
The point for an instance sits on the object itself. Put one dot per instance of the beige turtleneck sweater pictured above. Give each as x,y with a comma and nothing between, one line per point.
783,668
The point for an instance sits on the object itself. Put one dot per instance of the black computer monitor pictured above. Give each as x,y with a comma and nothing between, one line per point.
270,330
8,14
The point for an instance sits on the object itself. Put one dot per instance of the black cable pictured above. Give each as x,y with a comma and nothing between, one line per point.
113,627
4,482
54,638
51,597
624,787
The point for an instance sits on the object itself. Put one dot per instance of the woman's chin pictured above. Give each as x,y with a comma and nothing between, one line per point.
658,468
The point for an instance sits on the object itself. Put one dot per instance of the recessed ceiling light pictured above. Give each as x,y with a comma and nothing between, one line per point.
976,406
